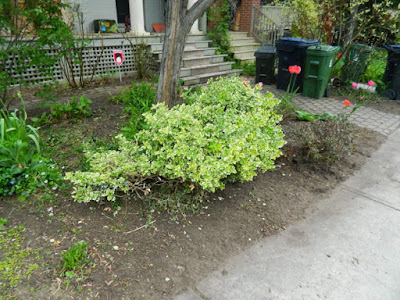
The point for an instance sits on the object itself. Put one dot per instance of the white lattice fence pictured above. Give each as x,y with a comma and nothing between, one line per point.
19,69
91,60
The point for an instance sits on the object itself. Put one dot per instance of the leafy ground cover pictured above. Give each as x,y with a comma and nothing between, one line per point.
67,250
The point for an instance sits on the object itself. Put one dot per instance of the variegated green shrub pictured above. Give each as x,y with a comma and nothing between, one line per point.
227,132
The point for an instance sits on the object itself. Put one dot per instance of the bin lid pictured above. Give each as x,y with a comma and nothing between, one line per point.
289,41
395,48
323,50
264,50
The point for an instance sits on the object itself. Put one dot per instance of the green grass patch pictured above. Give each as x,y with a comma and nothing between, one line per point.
16,263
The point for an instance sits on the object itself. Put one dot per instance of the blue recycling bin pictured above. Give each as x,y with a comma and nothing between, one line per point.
292,51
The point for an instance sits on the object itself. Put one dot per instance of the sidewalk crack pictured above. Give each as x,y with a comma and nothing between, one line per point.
200,294
369,197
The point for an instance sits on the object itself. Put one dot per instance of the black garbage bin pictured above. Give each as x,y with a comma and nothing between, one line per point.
392,72
265,64
291,51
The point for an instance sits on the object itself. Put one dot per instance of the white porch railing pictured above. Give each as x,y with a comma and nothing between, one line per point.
269,22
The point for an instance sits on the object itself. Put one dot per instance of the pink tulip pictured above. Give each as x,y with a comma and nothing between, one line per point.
371,83
260,84
354,85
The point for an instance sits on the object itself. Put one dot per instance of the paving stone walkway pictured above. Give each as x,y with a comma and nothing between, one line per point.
384,123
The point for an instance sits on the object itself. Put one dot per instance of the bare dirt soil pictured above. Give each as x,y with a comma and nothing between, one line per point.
130,260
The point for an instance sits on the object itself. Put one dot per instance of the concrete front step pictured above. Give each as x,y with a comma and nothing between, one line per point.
248,47
246,41
203,78
204,69
237,34
203,60
196,37
198,44
189,53
243,54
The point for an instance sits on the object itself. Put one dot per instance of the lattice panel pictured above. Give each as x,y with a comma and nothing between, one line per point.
106,62
90,57
31,74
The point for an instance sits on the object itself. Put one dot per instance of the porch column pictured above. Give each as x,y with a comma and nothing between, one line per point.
136,13
195,27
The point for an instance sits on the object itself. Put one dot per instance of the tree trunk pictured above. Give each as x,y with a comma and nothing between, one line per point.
351,27
179,21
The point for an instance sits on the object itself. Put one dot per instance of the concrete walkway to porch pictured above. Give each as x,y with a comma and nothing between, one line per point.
348,249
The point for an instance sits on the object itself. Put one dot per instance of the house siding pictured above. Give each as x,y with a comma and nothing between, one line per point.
153,13
96,10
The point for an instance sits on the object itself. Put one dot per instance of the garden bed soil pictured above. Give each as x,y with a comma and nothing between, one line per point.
134,261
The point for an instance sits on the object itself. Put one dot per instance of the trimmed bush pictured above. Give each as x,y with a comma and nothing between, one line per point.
228,132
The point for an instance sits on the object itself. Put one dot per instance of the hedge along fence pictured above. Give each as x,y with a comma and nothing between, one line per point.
99,46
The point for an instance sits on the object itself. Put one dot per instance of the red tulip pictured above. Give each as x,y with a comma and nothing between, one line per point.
294,69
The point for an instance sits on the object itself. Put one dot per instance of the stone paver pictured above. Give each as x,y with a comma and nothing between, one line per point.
384,123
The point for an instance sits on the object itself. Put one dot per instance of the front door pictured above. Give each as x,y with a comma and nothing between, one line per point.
122,10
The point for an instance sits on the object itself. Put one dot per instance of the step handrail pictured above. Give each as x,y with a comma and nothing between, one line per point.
264,29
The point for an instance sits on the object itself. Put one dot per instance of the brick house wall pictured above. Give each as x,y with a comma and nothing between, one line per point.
245,13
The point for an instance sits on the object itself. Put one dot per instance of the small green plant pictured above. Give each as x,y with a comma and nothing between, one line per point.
22,167
105,78
3,223
138,99
76,108
74,260
303,115
19,142
249,69
324,141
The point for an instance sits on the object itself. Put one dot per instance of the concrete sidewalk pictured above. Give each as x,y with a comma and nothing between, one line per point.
348,249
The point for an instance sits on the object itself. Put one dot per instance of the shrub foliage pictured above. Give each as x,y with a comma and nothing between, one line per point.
228,132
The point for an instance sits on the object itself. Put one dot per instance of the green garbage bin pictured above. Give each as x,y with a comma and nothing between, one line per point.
319,62
355,63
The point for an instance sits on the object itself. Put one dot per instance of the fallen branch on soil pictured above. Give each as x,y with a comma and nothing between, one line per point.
145,225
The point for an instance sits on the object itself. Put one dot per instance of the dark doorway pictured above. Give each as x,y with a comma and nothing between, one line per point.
122,10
